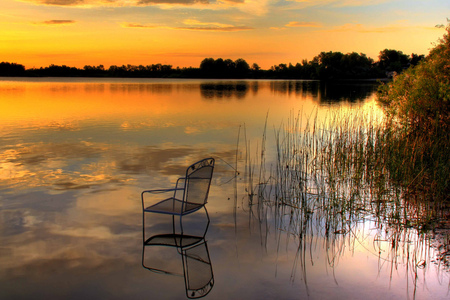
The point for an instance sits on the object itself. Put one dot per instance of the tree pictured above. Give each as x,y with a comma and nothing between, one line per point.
415,59
393,60
207,65
255,67
220,68
11,69
336,65
94,71
329,65
242,67
230,64
357,63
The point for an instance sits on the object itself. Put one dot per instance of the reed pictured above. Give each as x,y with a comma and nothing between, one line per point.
331,177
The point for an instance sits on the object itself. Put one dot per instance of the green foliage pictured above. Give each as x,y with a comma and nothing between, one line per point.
417,134
418,100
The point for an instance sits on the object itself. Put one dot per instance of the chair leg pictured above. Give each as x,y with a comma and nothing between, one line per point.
181,224
143,227
143,255
173,224
207,225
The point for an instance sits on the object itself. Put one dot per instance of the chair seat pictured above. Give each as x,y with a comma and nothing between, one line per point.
172,206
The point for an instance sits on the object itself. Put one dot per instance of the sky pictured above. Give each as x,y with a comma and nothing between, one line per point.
38,33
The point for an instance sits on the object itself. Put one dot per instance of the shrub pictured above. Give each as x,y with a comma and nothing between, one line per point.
418,100
417,104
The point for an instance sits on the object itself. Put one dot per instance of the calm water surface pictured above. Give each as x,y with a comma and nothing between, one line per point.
76,153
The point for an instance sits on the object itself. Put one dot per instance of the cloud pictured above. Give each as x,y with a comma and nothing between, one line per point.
359,2
338,3
116,3
55,22
364,29
136,25
180,2
303,24
251,7
195,22
257,7
233,1
212,28
61,2
193,25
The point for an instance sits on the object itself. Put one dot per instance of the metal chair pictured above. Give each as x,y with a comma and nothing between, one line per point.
189,195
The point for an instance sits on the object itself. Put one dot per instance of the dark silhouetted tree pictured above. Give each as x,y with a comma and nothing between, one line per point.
255,67
242,67
92,71
415,59
207,66
393,61
220,68
11,69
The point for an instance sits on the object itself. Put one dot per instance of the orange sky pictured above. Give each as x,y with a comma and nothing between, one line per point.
182,33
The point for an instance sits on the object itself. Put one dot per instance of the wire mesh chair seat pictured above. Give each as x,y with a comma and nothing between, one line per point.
173,206
189,195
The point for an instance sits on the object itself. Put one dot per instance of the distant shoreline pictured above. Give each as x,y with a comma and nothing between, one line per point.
329,66
356,80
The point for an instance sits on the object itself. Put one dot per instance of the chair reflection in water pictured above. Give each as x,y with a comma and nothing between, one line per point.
189,195
196,263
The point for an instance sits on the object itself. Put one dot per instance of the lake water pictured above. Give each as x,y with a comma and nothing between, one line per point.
75,155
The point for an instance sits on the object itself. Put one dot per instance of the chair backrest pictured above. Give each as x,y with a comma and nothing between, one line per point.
198,181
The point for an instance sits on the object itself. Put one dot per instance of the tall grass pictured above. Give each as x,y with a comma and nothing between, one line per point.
331,177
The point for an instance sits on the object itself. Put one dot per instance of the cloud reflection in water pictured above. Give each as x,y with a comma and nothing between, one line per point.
74,157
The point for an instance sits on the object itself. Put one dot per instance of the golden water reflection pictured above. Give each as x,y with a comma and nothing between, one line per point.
75,155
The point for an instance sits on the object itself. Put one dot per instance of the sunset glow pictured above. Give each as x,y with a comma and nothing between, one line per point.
37,33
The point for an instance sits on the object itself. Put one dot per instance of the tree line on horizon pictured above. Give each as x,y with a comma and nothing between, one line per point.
325,66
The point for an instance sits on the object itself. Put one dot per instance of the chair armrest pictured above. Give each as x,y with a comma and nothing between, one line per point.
180,187
178,180
159,191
